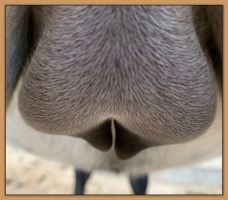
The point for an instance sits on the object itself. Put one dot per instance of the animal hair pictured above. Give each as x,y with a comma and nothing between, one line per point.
141,68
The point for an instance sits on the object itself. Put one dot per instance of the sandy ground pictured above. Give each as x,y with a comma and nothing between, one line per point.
30,174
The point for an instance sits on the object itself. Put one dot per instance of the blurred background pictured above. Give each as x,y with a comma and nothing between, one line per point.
29,174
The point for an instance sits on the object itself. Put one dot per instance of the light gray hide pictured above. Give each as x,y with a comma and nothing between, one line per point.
127,77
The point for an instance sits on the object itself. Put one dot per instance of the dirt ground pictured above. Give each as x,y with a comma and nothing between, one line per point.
30,174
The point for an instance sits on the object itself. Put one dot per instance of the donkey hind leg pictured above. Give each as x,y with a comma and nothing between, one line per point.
139,184
81,178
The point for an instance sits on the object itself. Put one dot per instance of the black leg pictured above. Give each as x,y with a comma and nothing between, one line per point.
139,184
81,178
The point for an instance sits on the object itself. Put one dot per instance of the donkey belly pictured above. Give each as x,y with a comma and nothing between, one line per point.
80,154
